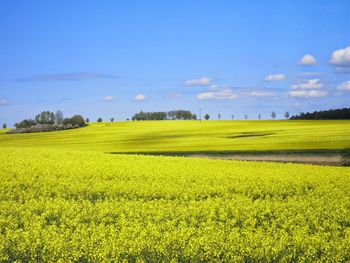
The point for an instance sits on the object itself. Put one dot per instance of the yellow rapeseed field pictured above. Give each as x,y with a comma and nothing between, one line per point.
74,206
193,136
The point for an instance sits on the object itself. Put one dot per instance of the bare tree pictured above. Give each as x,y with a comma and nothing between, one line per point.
273,115
59,117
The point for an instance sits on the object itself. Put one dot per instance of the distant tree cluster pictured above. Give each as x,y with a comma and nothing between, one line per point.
162,115
50,118
337,114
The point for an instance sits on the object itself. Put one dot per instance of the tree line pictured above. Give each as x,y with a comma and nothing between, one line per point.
50,118
337,114
163,115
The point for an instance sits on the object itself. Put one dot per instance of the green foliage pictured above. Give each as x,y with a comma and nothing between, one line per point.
206,116
171,115
45,117
62,206
4,126
78,120
99,119
25,123
336,114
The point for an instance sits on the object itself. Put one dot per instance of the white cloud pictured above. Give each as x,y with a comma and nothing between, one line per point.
108,98
341,57
344,86
307,60
308,93
140,97
203,81
275,77
262,94
308,84
217,93
4,102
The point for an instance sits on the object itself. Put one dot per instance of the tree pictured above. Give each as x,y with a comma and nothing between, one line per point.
273,115
99,119
78,120
246,116
45,117
206,116
87,120
66,121
259,116
219,116
287,115
232,117
4,126
112,119
59,117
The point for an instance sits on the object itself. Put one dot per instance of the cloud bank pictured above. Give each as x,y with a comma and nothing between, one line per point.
309,84
217,93
308,93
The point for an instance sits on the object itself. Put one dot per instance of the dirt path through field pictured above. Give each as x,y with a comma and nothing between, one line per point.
295,158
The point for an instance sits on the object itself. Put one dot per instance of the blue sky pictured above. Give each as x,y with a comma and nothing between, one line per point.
114,58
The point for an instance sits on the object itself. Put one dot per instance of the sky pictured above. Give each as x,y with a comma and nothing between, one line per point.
114,58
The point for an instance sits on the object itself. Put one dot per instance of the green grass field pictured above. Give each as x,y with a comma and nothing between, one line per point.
193,136
63,198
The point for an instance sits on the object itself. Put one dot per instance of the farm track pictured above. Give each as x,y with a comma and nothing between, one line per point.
285,158
316,158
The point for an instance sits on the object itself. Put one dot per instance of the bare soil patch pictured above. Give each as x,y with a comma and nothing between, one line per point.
320,159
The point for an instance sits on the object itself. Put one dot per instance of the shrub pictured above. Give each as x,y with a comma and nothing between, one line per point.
78,120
